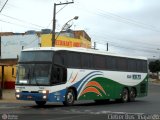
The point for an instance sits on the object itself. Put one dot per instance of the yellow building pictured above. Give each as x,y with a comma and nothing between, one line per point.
9,73
64,41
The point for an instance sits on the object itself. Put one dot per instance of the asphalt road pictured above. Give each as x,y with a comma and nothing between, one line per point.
146,108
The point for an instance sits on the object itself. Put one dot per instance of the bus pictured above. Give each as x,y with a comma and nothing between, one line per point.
50,74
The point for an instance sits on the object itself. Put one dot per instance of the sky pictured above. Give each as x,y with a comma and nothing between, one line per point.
130,27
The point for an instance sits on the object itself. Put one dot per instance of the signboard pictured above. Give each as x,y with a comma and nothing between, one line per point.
64,41
11,46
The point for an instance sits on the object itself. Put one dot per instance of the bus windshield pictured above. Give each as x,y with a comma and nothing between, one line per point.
33,74
34,67
36,56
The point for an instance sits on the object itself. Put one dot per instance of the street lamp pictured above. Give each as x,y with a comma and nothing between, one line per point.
75,18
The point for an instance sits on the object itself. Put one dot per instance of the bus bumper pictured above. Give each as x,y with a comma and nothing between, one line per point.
31,96
50,97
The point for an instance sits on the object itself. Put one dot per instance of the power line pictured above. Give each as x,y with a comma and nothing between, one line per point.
61,8
21,21
135,47
15,24
3,6
124,20
128,21
56,14
105,36
118,18
124,47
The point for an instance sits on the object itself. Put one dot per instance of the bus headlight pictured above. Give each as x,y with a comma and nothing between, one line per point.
44,91
18,90
44,97
17,96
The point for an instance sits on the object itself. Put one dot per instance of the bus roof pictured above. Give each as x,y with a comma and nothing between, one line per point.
84,50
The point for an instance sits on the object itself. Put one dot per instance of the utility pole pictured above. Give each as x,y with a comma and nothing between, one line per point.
107,46
54,21
94,47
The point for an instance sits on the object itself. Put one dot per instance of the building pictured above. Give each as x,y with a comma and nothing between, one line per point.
67,38
10,48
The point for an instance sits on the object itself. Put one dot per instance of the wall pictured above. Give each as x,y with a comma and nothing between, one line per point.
11,46
9,76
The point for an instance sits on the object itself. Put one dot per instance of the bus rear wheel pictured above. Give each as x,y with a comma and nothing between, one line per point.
132,95
69,98
124,96
40,103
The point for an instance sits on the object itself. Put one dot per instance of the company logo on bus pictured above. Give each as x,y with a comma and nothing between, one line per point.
134,76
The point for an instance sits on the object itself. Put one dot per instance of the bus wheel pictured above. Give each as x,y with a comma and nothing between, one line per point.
40,103
124,96
69,98
132,95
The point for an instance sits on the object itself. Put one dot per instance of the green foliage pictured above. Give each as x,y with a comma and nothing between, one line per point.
154,66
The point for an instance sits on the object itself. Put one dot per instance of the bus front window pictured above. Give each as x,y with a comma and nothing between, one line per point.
33,74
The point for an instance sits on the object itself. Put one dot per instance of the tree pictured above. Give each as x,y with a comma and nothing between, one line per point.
154,66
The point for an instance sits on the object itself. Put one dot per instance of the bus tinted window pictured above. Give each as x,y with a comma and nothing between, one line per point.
91,61
36,56
99,62
74,60
111,63
85,59
132,66
58,59
122,64
139,66
144,66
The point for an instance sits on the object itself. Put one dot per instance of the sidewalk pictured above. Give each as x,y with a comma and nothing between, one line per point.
8,96
154,81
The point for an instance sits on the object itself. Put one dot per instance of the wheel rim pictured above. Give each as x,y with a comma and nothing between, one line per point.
125,95
70,97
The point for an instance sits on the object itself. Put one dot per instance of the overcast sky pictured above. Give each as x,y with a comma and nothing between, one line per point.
129,26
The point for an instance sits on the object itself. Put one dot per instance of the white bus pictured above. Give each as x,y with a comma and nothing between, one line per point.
48,74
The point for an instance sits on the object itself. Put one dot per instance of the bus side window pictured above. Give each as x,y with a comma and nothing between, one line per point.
58,59
59,75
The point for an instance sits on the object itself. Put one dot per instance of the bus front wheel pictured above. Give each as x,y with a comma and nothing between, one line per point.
40,103
69,98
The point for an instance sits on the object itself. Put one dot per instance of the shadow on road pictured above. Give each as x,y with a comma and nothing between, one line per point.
92,104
